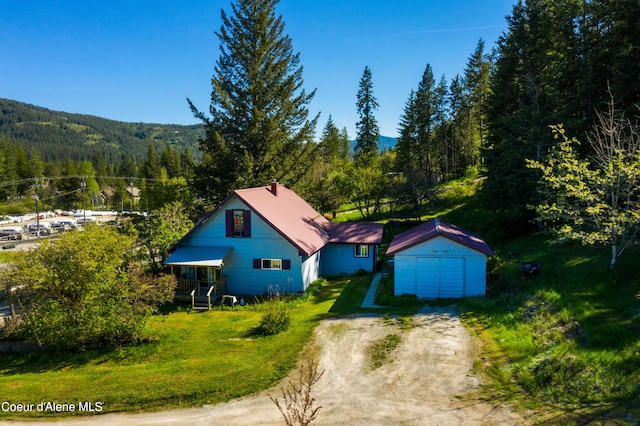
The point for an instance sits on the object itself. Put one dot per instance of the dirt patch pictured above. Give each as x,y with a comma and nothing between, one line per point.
426,380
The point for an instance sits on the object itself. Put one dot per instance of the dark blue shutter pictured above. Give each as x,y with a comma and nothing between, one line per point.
229,223
246,220
257,264
286,264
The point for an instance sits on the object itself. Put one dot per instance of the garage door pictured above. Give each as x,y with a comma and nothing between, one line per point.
439,277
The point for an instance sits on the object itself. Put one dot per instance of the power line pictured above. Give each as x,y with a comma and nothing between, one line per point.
125,178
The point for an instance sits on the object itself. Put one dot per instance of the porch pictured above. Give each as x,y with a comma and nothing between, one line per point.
199,288
201,294
199,271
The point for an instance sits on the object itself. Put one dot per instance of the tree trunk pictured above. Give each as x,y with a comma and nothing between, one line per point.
614,256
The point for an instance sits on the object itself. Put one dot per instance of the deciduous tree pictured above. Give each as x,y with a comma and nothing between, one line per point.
84,289
594,201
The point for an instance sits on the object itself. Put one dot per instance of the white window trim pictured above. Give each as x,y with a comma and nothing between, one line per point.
271,268
357,252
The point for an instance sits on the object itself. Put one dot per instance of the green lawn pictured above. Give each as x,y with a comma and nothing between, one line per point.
194,359
566,342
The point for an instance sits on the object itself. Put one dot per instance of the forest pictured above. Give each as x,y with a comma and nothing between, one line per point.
558,63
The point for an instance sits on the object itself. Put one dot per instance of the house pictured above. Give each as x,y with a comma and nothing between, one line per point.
266,238
439,260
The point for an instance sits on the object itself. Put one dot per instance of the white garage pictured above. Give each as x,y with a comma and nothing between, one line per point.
438,260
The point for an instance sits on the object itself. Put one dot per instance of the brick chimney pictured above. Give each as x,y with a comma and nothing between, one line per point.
274,188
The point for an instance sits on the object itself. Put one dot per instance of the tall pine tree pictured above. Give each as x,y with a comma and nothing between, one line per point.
367,128
259,128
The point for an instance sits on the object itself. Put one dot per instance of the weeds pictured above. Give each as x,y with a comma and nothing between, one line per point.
379,352
297,407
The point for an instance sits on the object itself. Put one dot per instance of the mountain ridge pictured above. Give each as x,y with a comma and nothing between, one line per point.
58,135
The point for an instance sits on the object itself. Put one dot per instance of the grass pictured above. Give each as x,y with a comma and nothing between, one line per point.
564,344
380,352
193,359
6,256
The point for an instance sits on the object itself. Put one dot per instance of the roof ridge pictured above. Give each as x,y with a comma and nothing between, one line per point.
437,223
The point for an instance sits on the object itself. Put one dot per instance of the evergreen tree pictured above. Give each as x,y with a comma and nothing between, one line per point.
331,142
9,175
473,105
610,47
367,128
530,87
344,148
170,160
187,164
258,129
70,187
458,127
127,168
151,166
102,171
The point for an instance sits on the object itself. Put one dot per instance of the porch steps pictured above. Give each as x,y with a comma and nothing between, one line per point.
200,303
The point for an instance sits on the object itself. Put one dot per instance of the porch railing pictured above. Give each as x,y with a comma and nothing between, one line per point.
201,288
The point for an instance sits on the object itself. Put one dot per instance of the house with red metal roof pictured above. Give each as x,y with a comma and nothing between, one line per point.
265,239
439,260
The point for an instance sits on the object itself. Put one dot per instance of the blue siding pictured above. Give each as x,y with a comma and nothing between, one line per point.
340,259
264,242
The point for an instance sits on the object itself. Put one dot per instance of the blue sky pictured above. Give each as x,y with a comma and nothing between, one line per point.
138,60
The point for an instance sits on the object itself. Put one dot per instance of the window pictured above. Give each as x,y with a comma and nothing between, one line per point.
362,250
238,223
271,264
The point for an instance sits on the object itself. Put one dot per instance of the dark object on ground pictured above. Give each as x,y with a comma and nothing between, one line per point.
530,268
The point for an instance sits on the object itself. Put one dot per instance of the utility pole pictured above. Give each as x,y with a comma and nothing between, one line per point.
83,186
36,198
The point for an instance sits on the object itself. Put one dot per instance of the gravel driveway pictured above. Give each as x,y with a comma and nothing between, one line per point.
427,380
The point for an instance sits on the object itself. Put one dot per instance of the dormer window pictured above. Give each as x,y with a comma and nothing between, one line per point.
238,223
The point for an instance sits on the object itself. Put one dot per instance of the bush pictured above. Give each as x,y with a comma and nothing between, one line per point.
315,287
276,317
84,290
404,300
495,271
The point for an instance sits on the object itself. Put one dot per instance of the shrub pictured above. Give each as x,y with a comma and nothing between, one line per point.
83,290
404,300
276,317
315,286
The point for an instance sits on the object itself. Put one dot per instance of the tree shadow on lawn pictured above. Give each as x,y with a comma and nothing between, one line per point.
39,360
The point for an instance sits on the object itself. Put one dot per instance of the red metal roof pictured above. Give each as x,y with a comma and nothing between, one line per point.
354,232
297,222
289,215
432,229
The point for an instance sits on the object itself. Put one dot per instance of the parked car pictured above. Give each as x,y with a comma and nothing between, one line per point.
45,228
88,219
11,233
63,225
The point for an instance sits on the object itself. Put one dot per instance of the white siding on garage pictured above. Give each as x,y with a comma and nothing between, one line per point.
427,282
